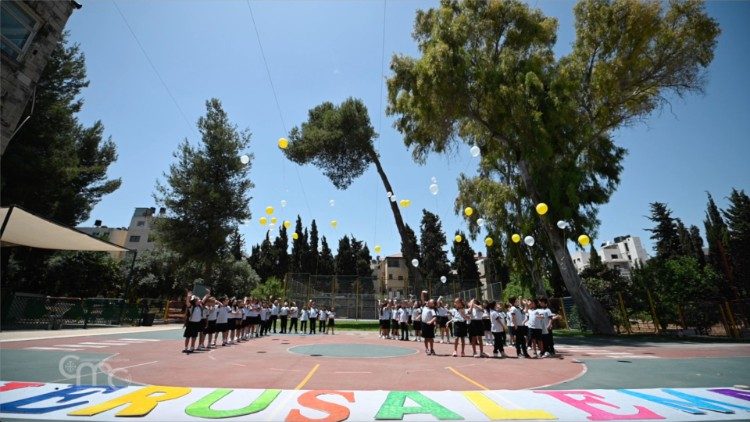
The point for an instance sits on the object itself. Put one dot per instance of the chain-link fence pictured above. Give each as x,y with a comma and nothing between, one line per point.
34,311
352,296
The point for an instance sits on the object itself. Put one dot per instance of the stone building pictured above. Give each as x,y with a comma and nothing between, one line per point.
29,33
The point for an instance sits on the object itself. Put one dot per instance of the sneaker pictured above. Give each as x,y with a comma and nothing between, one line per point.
484,355
546,355
432,352
475,355
426,352
185,350
494,354
454,354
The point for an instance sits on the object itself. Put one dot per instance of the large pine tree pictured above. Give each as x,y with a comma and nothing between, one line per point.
737,217
665,234
434,259
206,191
326,262
719,257
464,263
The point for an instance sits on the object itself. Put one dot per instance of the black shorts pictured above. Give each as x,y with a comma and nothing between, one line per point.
442,321
231,323
331,322
394,323
428,331
486,324
417,325
536,334
210,327
385,324
192,329
512,330
476,329
459,329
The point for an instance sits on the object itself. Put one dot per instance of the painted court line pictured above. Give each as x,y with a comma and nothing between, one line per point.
80,345
467,378
138,340
52,348
352,372
104,344
307,378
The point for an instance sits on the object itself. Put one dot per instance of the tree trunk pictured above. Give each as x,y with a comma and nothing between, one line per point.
591,309
414,273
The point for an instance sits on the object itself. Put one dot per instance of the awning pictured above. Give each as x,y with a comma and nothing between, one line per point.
21,228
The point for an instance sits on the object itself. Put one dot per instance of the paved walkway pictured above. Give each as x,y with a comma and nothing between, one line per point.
13,335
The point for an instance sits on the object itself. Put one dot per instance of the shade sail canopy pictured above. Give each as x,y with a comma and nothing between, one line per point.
22,228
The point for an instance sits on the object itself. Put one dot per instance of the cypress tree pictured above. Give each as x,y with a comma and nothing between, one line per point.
737,217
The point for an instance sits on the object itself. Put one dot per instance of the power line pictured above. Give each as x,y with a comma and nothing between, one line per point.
153,67
275,97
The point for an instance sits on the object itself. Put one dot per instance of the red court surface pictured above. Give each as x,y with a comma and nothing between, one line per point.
267,362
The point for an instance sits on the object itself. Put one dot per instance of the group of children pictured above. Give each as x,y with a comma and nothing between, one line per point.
523,323
240,320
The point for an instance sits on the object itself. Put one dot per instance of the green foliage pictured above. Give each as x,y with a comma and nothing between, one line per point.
665,234
737,217
271,288
464,262
83,274
206,191
346,262
719,255
234,278
55,166
487,75
434,259
326,264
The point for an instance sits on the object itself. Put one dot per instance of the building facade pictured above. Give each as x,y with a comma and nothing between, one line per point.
29,34
137,236
623,254
116,235
393,274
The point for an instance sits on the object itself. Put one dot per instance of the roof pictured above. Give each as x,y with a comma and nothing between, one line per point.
22,228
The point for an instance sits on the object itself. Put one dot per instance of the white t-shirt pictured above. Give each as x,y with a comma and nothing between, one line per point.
476,314
284,311
264,314
385,313
323,314
427,314
222,312
535,318
293,312
442,311
196,314
331,315
497,319
275,309
516,317
416,314
305,315
313,313
403,315
457,315
254,310
212,313
546,318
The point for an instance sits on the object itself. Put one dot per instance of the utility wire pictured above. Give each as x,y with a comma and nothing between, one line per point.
153,66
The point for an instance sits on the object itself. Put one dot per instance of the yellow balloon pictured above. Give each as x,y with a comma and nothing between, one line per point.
488,241
287,224
295,236
469,211
542,208
515,238
283,143
584,240
458,238
334,223
274,220
269,210
263,221
405,203
378,248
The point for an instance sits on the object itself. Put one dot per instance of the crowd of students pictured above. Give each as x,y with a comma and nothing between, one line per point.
239,320
522,323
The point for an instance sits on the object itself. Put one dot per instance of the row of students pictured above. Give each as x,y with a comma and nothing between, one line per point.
518,322
242,319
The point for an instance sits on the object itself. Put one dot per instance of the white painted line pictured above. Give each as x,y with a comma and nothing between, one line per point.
238,364
80,345
133,366
52,348
352,372
104,344
137,339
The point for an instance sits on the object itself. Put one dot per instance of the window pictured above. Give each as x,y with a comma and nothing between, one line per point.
627,249
614,256
400,277
140,223
393,263
18,25
135,239
390,276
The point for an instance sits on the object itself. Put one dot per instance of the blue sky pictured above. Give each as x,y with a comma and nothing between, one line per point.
329,50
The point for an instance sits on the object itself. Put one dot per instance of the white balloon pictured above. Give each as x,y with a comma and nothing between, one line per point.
393,198
434,189
389,194
245,159
331,202
528,240
475,151
433,179
480,222
283,203
562,224
415,262
443,279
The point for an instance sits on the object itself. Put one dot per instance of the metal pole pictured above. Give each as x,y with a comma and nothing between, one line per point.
624,313
657,326
127,285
